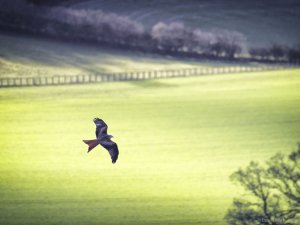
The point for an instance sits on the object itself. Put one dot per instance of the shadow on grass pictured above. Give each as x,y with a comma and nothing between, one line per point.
151,84
29,50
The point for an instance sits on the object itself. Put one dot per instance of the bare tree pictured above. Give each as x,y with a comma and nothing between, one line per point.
260,53
293,54
273,192
228,44
171,37
278,51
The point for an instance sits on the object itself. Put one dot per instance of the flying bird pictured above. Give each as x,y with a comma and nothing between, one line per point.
103,139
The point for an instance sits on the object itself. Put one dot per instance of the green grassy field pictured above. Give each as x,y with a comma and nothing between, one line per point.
26,56
179,141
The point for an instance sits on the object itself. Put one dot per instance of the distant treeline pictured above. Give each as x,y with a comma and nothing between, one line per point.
46,2
95,26
277,53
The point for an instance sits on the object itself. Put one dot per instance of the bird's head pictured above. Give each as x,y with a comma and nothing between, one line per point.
97,120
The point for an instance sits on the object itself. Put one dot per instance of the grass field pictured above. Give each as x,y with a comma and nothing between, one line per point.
179,141
26,56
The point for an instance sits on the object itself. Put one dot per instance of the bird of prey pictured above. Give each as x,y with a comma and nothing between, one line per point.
103,139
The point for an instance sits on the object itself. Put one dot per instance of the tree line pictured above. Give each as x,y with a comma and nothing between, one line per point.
276,52
99,27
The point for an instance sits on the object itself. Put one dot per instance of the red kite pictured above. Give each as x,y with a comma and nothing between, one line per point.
103,139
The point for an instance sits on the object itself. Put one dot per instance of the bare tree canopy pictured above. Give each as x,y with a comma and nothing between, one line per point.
273,192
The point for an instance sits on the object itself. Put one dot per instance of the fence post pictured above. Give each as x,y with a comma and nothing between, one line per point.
42,81
169,73
124,76
172,73
152,74
108,76
98,78
195,71
127,76
179,73
14,82
28,83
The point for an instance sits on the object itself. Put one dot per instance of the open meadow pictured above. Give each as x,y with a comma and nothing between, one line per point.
26,56
179,140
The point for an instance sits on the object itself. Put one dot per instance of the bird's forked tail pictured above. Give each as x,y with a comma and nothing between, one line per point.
91,143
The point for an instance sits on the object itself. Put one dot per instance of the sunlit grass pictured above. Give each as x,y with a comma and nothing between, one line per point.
26,56
179,141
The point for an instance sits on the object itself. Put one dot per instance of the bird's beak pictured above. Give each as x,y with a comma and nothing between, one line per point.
95,120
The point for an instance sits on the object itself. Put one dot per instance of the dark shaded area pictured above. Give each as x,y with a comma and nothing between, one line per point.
46,2
277,52
152,84
274,190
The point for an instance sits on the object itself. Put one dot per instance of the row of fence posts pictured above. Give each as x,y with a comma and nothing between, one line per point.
128,76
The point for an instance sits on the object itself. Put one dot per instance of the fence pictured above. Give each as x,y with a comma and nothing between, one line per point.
128,76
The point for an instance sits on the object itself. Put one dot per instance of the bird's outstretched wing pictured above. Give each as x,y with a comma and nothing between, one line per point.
112,148
101,127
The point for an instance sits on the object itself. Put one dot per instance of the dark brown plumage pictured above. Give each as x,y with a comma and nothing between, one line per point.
104,140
